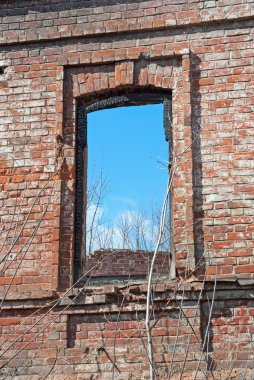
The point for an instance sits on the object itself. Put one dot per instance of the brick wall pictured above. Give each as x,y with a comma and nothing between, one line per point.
126,263
52,54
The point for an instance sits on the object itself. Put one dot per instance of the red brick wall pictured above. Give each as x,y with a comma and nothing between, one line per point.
85,340
54,52
126,263
213,67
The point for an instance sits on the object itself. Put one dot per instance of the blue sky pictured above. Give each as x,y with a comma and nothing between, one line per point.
128,142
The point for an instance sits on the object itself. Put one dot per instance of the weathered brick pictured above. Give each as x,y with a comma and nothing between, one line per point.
54,53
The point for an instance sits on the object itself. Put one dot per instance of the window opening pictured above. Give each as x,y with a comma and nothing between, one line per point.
119,241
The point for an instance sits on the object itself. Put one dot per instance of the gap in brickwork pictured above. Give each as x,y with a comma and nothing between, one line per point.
2,70
127,176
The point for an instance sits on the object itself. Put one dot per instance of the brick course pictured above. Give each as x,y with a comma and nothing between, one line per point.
55,52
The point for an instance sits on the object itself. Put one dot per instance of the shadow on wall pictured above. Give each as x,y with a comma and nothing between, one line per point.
210,321
96,330
198,212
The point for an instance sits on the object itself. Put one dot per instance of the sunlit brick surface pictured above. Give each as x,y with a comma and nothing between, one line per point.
53,53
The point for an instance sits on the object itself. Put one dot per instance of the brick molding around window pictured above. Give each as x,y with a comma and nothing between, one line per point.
164,72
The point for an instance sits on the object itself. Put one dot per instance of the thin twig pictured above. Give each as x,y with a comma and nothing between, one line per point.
208,326
47,325
177,334
28,215
149,286
28,243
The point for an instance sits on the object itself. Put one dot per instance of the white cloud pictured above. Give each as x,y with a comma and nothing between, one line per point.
127,201
131,229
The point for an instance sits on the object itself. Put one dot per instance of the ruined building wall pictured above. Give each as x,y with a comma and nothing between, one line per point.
54,53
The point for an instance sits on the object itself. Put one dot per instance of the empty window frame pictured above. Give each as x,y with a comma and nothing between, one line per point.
83,109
